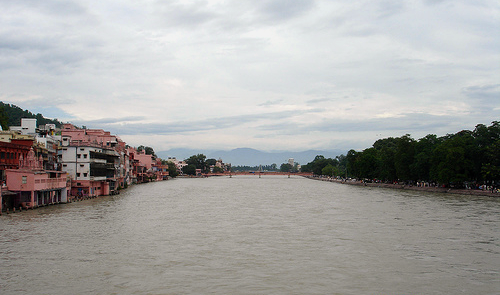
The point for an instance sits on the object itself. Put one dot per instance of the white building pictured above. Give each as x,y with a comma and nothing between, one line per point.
28,127
178,164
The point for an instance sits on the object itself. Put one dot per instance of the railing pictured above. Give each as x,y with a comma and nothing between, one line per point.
51,183
78,143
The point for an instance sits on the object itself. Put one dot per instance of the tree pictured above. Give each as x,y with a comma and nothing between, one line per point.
423,156
4,119
218,169
386,149
491,168
150,151
211,162
147,150
189,169
285,167
342,165
403,157
172,169
199,162
14,114
452,159
366,163
317,165
351,163
328,170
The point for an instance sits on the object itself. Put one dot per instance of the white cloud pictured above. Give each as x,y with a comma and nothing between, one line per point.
264,74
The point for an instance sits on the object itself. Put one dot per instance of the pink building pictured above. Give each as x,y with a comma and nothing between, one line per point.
145,160
10,153
161,170
32,186
142,165
96,161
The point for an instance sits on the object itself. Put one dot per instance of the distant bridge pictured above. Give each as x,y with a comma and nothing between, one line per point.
259,173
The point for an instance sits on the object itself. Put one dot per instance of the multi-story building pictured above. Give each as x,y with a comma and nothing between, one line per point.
142,165
46,142
178,164
224,166
28,127
32,186
11,153
49,144
91,158
160,170
96,162
91,168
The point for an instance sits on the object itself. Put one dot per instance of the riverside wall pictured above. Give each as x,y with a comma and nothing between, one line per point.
434,189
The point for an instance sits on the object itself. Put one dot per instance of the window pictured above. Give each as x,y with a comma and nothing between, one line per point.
84,174
81,165
25,179
78,156
82,149
77,174
64,165
85,156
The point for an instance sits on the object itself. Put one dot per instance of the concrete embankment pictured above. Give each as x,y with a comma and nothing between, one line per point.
474,192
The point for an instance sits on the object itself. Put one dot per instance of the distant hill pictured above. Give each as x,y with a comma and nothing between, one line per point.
15,113
12,114
251,157
181,153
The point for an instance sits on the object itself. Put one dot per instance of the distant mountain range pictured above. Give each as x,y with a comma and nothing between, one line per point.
251,157
10,115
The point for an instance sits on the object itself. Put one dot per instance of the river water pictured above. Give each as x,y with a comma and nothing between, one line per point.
250,235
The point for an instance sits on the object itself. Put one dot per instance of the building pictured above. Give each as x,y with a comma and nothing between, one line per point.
94,160
11,153
160,170
28,127
145,167
46,142
32,186
91,169
41,167
178,164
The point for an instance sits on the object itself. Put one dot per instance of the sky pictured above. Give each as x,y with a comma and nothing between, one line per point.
265,74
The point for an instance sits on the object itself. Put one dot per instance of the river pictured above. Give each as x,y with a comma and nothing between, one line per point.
250,235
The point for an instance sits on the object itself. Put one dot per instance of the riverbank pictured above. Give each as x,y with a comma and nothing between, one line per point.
472,192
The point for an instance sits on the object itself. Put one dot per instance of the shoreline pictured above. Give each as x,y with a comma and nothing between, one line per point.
470,192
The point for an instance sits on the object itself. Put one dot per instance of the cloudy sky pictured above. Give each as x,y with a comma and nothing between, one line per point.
266,74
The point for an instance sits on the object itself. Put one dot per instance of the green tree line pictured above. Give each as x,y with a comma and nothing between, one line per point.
453,159
201,162
10,115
